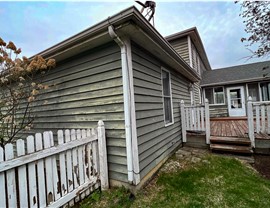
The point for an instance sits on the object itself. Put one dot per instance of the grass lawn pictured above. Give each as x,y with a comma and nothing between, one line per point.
214,182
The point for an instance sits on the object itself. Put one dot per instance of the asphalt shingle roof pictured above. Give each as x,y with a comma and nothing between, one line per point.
237,74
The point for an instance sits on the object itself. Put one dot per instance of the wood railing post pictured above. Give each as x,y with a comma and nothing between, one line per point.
250,122
183,121
207,122
102,156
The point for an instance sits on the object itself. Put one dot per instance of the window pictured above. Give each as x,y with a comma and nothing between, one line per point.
215,95
167,96
253,91
265,89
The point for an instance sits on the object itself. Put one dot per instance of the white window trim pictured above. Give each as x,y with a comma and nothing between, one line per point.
215,104
260,91
247,90
198,64
168,124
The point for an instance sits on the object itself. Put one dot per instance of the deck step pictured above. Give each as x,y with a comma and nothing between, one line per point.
230,140
231,148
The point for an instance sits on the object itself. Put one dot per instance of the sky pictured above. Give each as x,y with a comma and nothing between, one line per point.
35,26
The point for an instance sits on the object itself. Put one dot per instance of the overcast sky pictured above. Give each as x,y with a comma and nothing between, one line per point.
35,26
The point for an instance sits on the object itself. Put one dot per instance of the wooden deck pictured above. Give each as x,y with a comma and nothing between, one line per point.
226,127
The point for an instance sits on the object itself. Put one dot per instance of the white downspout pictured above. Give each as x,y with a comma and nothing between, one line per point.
127,105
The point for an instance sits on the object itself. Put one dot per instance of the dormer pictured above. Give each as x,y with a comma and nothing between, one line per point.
189,46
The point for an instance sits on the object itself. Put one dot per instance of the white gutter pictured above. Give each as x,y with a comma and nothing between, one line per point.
126,90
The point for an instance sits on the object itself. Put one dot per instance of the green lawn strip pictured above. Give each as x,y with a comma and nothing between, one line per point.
221,182
114,198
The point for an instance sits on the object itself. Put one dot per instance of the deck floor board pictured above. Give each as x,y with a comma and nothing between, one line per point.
232,128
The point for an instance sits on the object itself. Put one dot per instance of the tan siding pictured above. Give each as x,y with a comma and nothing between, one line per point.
85,89
154,139
181,47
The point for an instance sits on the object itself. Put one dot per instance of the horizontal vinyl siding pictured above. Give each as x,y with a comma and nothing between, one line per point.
181,47
218,111
85,89
197,93
155,141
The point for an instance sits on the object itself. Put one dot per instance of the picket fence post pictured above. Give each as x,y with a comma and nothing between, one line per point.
2,182
103,166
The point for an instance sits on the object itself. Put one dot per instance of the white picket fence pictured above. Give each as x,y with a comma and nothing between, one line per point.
195,118
46,175
258,118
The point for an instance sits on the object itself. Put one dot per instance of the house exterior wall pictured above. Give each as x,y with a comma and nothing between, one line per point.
218,111
85,89
197,62
199,67
155,141
180,45
191,56
221,110
197,92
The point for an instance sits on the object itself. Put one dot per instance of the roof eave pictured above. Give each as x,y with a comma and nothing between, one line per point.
157,37
98,34
236,82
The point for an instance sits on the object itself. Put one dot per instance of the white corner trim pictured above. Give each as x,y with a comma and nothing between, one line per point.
190,52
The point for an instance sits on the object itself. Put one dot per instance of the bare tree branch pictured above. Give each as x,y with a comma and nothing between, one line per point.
256,17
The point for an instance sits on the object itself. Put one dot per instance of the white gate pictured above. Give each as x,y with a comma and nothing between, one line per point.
195,118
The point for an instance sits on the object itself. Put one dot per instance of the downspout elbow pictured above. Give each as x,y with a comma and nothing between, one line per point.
115,37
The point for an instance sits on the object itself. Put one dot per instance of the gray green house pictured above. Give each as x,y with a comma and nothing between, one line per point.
122,71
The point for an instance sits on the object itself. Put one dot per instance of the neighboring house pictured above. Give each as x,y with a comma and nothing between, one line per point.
121,71
228,89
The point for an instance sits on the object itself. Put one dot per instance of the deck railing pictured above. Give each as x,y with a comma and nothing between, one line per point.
258,118
195,118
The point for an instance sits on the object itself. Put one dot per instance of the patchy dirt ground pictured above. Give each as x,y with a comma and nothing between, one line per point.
262,165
